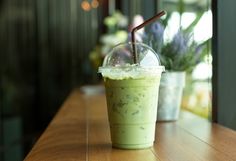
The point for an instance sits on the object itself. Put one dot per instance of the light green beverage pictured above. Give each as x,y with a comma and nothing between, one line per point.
132,95
132,107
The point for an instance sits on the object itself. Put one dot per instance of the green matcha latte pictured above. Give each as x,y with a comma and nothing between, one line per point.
132,106
132,95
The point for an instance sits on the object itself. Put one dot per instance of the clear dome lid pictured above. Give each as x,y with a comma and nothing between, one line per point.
122,54
120,61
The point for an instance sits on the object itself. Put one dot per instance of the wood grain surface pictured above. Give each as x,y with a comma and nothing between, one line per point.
80,132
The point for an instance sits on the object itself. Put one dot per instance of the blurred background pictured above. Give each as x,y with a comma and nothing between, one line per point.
49,47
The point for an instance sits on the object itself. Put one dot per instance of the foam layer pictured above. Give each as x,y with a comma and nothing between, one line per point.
130,71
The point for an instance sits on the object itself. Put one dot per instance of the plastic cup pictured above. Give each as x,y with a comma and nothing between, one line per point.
132,95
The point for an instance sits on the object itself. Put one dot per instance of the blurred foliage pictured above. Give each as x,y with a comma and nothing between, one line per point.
181,53
116,25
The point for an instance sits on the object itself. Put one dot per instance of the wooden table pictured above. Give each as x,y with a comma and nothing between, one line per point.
80,132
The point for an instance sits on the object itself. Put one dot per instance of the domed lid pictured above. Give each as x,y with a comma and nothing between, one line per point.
120,62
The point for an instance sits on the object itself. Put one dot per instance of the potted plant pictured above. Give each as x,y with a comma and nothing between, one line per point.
179,55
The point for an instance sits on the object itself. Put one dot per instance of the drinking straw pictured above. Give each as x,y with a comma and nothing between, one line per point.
157,16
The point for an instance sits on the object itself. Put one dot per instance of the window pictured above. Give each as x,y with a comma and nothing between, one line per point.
198,90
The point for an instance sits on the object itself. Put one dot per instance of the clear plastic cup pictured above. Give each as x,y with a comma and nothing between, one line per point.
132,95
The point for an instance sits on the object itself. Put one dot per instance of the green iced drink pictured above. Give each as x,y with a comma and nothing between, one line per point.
132,107
132,95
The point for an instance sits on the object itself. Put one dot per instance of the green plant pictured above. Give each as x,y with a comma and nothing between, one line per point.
116,33
181,53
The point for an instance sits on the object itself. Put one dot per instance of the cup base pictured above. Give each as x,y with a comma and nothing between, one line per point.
132,146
